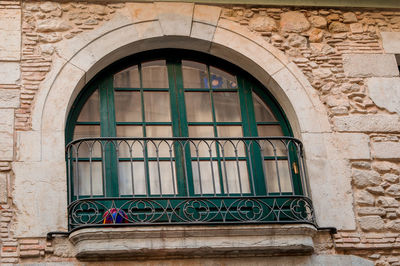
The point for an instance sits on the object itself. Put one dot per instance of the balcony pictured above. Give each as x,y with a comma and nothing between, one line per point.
117,182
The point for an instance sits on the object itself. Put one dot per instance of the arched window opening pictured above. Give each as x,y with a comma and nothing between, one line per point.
173,136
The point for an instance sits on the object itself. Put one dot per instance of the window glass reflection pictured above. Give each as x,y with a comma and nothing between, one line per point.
194,75
127,106
221,79
154,74
128,78
91,110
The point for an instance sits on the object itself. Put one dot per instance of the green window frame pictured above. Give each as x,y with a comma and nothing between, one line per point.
245,89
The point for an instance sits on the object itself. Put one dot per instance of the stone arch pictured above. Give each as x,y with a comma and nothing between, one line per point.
142,27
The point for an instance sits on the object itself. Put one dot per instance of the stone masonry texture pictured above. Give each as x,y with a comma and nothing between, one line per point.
327,45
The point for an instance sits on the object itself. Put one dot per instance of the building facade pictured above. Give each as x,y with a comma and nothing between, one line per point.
175,101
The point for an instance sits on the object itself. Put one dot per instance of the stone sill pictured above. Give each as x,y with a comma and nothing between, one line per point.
144,242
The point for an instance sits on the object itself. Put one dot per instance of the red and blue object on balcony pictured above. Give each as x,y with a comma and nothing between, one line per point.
115,216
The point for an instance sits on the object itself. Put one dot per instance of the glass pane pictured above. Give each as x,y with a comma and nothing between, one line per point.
269,130
130,148
132,178
262,111
231,148
231,171
157,106
221,79
269,146
198,107
154,74
158,131
86,131
202,148
201,131
162,175
272,180
194,75
164,148
87,148
207,172
127,106
88,180
227,108
273,148
91,109
128,78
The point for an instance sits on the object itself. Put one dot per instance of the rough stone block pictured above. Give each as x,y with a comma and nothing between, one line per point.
10,46
28,146
353,145
6,134
3,188
37,184
294,21
370,65
370,223
363,178
386,150
387,202
385,92
393,190
391,42
365,198
10,34
367,123
389,177
371,211
9,72
9,98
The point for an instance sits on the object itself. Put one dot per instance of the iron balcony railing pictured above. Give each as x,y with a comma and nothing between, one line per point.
144,181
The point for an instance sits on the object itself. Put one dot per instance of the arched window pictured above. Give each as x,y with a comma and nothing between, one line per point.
173,124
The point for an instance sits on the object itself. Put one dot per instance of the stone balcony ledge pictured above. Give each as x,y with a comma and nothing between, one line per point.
156,242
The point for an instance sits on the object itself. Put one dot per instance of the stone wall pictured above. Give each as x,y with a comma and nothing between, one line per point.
342,55
346,55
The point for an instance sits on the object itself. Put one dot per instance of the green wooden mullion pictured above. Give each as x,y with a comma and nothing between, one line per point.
126,89
107,116
146,163
86,159
215,123
139,89
179,127
221,172
143,123
250,125
87,123
148,159
268,123
207,90
155,89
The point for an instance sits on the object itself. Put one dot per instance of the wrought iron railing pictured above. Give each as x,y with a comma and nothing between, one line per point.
142,181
